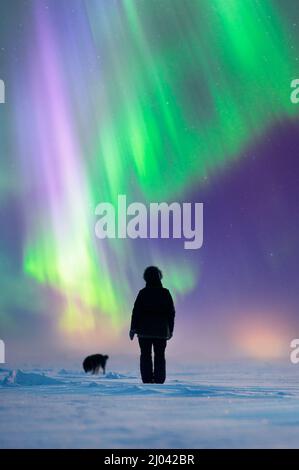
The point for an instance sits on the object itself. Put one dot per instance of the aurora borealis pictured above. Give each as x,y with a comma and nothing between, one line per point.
160,100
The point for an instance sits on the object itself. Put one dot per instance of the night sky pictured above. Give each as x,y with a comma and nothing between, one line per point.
161,100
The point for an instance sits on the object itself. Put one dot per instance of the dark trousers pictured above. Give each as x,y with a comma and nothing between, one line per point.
148,373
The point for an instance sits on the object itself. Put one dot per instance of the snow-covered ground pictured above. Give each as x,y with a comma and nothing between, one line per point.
219,406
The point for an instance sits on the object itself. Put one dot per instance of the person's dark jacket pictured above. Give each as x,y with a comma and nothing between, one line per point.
153,313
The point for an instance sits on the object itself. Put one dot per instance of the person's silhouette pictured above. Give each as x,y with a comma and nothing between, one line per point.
153,321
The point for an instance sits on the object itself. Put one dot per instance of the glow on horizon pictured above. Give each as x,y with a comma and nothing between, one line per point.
263,338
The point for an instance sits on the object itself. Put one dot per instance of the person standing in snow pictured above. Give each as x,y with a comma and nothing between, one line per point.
153,322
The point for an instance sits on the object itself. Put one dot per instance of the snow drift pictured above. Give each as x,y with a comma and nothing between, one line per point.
18,377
